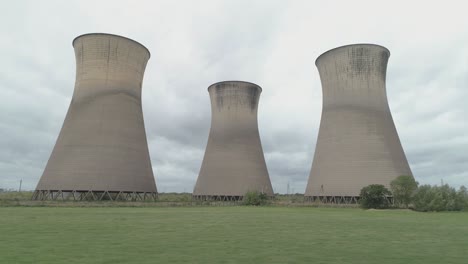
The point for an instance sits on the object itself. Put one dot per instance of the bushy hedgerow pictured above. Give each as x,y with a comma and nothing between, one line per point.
440,198
255,198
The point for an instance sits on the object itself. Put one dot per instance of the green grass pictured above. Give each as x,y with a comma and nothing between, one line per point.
230,235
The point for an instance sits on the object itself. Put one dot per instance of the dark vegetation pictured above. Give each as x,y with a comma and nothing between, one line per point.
375,196
407,194
255,198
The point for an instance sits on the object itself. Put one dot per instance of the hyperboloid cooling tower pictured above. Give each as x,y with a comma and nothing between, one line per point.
102,151
234,163
357,144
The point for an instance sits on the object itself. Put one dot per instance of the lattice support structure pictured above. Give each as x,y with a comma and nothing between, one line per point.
72,195
333,199
338,199
220,198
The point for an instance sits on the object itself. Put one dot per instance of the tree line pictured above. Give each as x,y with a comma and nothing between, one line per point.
405,192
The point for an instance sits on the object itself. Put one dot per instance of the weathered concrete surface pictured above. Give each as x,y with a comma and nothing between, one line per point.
102,145
234,161
357,142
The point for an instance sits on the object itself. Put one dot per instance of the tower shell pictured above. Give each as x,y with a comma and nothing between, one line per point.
233,163
357,144
102,150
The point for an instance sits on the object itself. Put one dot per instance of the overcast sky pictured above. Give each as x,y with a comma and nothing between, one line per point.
271,43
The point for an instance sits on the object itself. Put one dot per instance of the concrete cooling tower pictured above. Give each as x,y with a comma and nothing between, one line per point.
357,144
102,151
234,163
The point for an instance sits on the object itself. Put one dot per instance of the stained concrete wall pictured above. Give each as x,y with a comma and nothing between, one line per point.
102,145
233,163
357,142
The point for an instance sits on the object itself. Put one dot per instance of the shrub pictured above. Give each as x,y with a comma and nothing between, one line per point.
374,196
440,198
403,189
255,198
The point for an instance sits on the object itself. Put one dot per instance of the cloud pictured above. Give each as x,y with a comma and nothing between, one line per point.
271,43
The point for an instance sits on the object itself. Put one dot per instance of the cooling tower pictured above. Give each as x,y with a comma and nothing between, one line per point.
234,163
102,151
357,144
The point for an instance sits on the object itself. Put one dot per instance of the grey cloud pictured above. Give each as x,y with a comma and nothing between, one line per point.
273,44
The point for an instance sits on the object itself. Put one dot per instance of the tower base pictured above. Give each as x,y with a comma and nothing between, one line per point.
332,199
338,199
222,198
74,195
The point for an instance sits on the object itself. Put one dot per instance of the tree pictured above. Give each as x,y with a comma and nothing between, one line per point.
374,196
462,197
403,189
439,198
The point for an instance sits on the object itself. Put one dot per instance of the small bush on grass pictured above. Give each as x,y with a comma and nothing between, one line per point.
374,196
255,198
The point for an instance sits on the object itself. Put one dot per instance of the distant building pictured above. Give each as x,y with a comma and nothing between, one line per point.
102,150
357,144
234,163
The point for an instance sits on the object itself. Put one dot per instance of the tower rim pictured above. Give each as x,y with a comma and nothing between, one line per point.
113,35
234,81
351,45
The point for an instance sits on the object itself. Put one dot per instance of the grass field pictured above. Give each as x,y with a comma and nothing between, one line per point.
230,235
